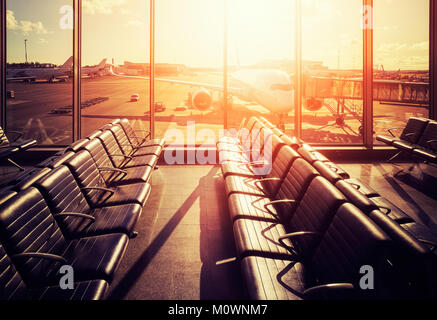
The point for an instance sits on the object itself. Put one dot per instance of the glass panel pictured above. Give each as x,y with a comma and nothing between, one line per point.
332,49
115,36
189,65
261,61
401,58
39,65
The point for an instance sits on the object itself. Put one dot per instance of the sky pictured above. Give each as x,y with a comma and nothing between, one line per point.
191,32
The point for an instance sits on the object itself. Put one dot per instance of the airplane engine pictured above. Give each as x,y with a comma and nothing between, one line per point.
202,100
312,104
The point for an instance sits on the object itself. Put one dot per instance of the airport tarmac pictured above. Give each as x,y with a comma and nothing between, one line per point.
36,101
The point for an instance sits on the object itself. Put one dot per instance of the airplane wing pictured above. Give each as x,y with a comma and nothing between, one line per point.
233,91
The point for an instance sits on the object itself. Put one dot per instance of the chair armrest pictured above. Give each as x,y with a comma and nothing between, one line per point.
99,189
271,203
75,214
291,236
333,168
43,256
391,131
319,291
387,210
113,170
259,181
121,155
259,163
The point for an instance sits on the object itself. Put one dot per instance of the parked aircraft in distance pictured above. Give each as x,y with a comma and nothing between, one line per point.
94,71
33,74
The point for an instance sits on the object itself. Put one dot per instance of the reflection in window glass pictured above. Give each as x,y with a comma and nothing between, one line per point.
332,48
401,59
39,68
189,65
115,40
261,61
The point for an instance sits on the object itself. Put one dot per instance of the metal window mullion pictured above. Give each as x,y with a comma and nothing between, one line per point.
77,77
3,63
433,60
152,69
368,76
298,71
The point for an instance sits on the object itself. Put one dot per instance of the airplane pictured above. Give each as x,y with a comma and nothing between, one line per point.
32,74
94,71
274,91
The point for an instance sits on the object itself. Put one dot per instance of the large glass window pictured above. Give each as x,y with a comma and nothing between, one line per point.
261,60
332,50
115,40
189,65
401,59
39,68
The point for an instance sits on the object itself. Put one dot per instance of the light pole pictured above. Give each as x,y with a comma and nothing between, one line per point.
25,49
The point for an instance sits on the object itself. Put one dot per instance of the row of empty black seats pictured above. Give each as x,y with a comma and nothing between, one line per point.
418,138
304,229
78,209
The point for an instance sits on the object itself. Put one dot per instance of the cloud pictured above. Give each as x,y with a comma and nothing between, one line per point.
24,26
93,7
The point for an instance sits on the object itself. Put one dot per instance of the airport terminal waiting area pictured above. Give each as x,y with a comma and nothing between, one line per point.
302,228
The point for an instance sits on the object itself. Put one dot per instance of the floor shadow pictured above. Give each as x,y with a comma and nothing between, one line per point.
391,180
139,267
221,277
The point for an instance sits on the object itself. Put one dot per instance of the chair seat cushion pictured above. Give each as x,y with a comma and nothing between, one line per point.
141,161
404,145
96,257
236,168
117,219
244,185
428,155
83,291
153,143
273,279
386,139
134,175
363,188
127,194
146,151
260,238
391,210
243,206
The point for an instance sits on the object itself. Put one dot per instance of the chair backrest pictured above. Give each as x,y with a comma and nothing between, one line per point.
267,123
4,141
429,136
27,226
414,129
112,148
327,172
63,194
100,156
122,139
87,175
292,142
130,132
409,260
356,197
12,286
350,242
315,212
298,176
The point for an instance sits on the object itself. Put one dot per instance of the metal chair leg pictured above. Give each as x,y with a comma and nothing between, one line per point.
394,157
